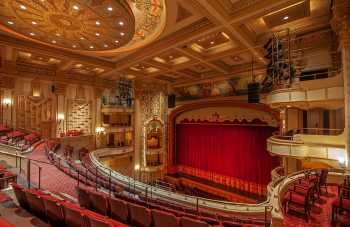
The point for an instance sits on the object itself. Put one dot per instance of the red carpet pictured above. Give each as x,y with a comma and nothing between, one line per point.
320,213
52,178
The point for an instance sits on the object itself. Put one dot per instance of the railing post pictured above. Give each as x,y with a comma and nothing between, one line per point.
20,165
265,214
86,176
28,173
197,204
110,182
96,178
39,177
16,161
78,177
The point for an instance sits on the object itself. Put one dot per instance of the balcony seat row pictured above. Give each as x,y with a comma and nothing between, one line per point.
140,214
18,138
92,176
60,212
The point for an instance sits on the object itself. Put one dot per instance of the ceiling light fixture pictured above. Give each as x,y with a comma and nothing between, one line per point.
10,22
91,47
98,23
82,38
58,34
76,7
121,23
97,34
116,41
54,41
74,46
110,8
122,33
32,34
23,7
105,45
212,42
34,23
285,18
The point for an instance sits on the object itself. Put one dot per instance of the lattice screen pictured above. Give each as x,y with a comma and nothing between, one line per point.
79,116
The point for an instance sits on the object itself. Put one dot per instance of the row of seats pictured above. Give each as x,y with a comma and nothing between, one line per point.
88,174
59,212
18,138
302,195
144,215
6,177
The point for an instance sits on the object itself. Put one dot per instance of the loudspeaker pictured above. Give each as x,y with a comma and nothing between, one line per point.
253,93
53,88
171,101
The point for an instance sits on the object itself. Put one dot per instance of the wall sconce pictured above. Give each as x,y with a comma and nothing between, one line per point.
60,117
7,102
137,167
100,130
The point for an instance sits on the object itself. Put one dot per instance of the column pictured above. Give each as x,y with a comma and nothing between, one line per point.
341,25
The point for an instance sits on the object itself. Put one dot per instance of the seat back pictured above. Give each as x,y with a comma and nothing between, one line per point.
36,204
54,211
84,198
99,203
20,195
161,218
73,217
323,177
140,216
189,222
119,209
94,222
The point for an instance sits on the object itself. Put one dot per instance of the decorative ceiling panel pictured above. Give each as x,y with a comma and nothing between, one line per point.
79,25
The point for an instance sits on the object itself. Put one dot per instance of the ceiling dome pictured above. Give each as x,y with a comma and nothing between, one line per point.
80,25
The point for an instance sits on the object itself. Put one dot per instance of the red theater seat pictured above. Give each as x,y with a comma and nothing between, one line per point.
189,222
36,203
161,218
5,223
83,197
119,209
99,202
231,224
20,195
54,210
73,216
140,216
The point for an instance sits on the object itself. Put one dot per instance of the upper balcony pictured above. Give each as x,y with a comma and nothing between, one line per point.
326,93
325,145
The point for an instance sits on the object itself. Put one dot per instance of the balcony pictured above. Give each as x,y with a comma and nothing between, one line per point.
321,144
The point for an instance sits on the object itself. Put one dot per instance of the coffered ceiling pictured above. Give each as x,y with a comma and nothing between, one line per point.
179,42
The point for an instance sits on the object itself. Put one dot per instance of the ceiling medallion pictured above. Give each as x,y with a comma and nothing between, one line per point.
66,22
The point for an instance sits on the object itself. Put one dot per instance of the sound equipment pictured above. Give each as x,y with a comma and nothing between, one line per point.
53,88
171,100
253,92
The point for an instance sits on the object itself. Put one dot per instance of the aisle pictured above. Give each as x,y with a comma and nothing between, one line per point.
52,178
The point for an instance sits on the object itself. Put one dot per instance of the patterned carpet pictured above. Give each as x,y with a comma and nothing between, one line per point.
320,213
52,178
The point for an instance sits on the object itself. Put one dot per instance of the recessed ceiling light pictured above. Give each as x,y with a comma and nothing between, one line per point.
97,22
212,42
23,7
170,56
34,23
110,8
58,34
74,46
91,47
54,41
40,58
285,18
105,45
82,38
122,33
76,7
10,22
121,23
97,34
116,41
32,34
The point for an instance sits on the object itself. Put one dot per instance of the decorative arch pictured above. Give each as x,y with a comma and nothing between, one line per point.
205,104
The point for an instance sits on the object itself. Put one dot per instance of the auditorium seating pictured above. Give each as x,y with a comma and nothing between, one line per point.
60,212
136,210
5,223
6,177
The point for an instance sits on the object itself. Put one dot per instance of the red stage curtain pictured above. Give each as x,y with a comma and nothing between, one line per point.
231,150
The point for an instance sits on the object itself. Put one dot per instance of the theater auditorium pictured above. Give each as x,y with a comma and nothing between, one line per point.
174,113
